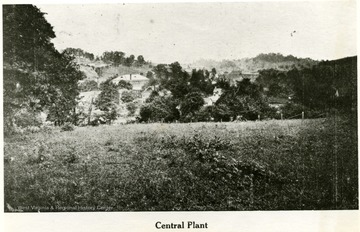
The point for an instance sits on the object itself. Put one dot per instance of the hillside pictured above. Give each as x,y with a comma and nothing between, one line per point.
262,61
110,71
109,64
102,70
99,71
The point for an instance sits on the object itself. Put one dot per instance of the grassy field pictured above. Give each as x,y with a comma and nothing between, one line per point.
268,165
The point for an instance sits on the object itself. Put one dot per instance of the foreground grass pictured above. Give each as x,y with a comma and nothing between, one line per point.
271,165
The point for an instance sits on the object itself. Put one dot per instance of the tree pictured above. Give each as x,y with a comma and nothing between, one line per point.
244,99
275,82
129,60
313,88
149,75
108,100
153,95
221,112
127,96
26,35
205,114
177,81
223,83
122,84
160,109
131,107
61,88
213,73
118,58
79,52
88,85
140,60
191,103
36,75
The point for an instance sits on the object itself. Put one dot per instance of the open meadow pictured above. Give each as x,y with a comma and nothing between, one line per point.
266,165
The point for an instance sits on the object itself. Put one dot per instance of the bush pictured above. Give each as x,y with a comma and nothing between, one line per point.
131,107
160,109
67,127
124,85
292,109
88,85
108,100
205,114
127,96
25,118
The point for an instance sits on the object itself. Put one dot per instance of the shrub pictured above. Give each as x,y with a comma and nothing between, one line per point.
292,109
124,85
131,107
25,118
88,85
160,109
67,127
127,96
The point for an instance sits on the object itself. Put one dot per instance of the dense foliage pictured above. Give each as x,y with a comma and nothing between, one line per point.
127,96
80,52
108,100
36,76
189,91
124,85
329,85
160,109
244,99
88,85
118,58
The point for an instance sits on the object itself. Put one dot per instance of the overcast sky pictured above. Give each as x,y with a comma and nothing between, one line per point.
184,32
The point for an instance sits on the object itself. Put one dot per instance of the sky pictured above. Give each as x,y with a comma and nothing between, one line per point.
185,32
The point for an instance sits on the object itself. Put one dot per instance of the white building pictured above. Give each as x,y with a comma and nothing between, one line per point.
136,80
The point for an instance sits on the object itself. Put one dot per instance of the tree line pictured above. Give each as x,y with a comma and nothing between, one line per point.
80,52
115,57
188,91
318,90
328,85
119,58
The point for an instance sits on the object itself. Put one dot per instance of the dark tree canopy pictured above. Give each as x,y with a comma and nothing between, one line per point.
160,109
80,52
26,36
108,100
36,75
191,103
140,60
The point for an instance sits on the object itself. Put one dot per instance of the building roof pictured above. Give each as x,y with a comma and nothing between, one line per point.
136,80
130,78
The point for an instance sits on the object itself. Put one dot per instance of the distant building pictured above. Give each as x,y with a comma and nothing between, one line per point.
237,75
136,80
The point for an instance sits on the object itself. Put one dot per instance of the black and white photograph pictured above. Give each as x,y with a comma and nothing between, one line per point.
179,107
